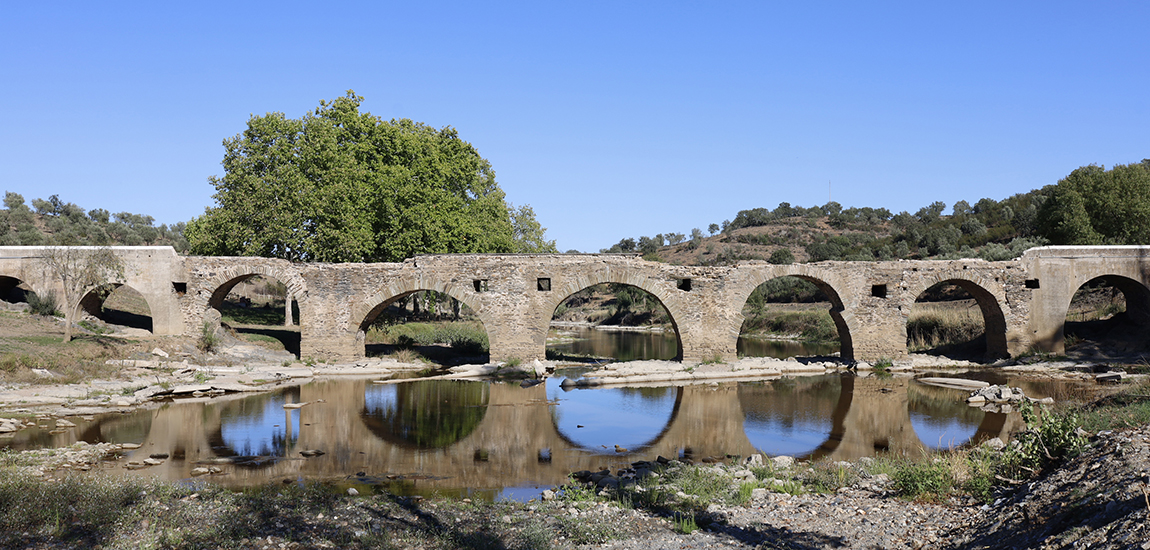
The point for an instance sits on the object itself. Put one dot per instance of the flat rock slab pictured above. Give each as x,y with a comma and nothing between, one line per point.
954,383
191,388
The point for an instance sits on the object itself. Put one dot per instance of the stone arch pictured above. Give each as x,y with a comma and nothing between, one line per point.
1136,293
228,277
365,311
990,296
93,304
825,280
665,294
10,284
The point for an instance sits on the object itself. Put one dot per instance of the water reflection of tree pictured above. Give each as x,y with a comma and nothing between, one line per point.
429,414
788,399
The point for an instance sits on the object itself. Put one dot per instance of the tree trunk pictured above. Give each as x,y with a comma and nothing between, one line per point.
69,318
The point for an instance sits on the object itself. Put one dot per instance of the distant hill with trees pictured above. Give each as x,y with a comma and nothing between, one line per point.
52,221
1092,205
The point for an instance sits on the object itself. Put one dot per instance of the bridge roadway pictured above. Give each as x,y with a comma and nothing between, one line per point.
862,416
1023,301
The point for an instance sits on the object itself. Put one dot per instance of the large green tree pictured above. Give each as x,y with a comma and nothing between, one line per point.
340,185
1093,205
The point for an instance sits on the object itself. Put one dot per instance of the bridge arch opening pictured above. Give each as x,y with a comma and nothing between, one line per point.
261,309
612,321
957,318
118,304
13,290
793,315
1108,312
425,323
425,414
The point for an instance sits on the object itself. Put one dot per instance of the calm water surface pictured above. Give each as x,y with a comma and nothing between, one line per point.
644,345
499,440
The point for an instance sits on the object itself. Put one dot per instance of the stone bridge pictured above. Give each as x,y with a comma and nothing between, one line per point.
1023,301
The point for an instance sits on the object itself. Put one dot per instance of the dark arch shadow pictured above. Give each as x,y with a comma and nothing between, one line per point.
426,414
263,321
93,304
1128,330
14,290
653,441
993,320
678,354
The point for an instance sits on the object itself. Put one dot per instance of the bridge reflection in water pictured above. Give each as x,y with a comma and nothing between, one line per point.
454,436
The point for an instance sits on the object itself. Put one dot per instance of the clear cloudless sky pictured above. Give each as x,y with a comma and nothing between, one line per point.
612,119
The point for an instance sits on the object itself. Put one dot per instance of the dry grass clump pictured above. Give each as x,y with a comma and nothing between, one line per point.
931,326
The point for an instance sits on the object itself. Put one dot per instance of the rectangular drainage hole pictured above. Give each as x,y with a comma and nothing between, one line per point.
878,291
685,285
480,285
543,284
1032,283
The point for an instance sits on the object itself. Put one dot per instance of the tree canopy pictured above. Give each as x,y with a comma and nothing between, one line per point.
339,185
1093,205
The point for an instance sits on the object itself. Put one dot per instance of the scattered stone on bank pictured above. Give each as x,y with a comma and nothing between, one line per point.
1002,398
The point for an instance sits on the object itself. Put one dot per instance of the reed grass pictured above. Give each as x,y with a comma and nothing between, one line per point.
934,325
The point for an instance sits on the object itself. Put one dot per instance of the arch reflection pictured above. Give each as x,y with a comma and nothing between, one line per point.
941,418
598,419
428,414
258,425
792,416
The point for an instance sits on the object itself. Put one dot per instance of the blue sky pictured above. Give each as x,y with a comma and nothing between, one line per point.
612,119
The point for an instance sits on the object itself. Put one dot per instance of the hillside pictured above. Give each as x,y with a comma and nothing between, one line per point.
54,222
992,230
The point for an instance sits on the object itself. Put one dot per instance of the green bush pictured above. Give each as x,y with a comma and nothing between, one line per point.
208,340
1048,439
43,305
917,479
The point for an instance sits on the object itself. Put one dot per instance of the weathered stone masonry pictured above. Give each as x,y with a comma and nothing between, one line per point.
1023,301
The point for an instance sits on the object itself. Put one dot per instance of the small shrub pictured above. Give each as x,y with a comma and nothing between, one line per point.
828,478
1048,439
45,305
686,524
208,341
407,355
513,362
918,479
